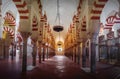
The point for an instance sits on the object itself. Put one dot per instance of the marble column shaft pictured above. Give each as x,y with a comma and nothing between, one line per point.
93,57
34,53
75,55
78,48
25,36
43,54
47,52
39,50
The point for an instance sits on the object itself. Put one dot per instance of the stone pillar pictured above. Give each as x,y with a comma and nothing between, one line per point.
12,51
73,53
34,53
21,51
118,45
97,49
6,48
116,28
83,55
75,56
108,54
1,48
78,48
93,56
43,54
118,57
39,50
47,52
92,43
25,36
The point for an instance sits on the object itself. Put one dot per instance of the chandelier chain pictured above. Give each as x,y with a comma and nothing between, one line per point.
58,12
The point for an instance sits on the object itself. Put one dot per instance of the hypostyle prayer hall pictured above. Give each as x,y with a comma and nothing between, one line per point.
59,39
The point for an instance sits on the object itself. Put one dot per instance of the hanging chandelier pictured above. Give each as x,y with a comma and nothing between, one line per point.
59,44
58,27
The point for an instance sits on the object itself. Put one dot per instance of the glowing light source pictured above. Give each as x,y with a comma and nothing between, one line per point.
59,49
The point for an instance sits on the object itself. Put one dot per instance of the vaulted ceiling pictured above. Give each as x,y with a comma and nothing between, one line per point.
67,9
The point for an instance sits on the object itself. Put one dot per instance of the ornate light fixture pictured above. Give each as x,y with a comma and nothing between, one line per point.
59,44
58,27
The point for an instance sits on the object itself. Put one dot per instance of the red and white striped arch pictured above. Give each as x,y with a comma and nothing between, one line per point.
117,18
97,9
83,24
22,8
40,7
79,8
49,29
109,22
9,19
9,31
34,24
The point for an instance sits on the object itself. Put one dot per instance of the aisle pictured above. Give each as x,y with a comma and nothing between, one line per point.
58,67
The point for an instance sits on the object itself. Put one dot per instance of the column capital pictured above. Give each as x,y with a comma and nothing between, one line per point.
78,42
34,39
39,41
25,35
89,35
75,44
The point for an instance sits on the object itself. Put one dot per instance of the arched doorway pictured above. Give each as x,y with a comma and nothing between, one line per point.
60,48
9,35
108,38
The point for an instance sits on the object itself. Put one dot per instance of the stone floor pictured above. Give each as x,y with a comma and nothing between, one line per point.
57,67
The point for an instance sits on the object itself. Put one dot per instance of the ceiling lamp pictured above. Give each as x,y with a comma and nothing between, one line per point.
58,27
59,44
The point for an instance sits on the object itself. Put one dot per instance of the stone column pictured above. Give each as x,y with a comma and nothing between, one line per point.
78,48
118,45
75,56
93,56
73,53
118,57
25,36
34,53
92,44
6,48
43,55
83,55
21,51
1,48
39,50
47,51
12,51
